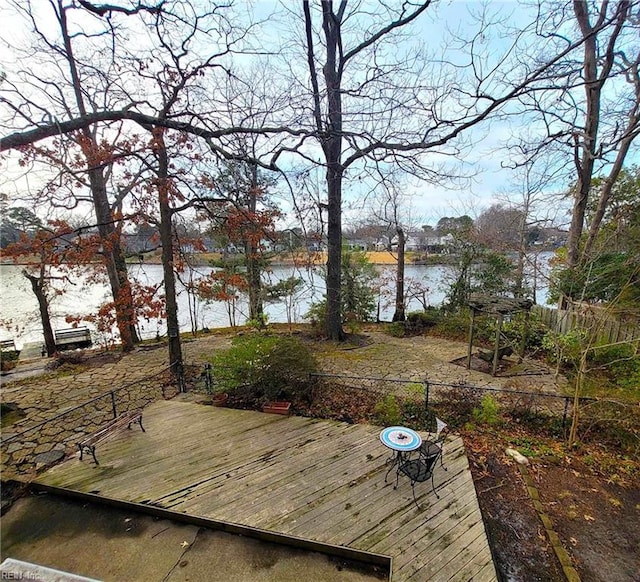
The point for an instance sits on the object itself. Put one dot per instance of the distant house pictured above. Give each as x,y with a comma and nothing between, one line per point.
356,244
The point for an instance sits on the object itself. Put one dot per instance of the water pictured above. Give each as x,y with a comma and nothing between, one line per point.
19,318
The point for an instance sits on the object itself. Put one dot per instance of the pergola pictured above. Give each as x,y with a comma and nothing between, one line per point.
498,307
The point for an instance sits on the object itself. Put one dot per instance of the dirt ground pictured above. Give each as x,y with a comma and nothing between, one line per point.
597,520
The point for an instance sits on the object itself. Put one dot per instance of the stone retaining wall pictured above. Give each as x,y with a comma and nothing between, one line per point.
63,431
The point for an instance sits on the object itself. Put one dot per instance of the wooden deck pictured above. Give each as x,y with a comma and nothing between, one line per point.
317,480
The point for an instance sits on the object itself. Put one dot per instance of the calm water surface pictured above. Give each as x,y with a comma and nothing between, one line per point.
19,317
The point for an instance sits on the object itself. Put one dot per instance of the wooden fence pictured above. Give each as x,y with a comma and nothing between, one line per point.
594,320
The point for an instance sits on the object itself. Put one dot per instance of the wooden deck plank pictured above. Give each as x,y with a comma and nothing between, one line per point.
446,562
375,507
470,569
320,480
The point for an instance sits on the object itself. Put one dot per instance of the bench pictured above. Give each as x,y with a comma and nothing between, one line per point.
117,425
8,346
72,338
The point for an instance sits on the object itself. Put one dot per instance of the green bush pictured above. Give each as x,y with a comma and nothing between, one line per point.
621,363
487,412
455,325
9,356
515,329
564,348
269,367
420,321
426,318
388,411
395,329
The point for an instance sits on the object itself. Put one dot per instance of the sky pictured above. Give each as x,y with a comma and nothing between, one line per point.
483,162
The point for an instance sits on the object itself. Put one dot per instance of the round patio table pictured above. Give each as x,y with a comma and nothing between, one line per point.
401,440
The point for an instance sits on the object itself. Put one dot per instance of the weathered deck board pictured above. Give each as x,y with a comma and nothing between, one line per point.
319,480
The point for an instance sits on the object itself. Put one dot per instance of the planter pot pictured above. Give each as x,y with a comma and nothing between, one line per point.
277,407
7,365
219,399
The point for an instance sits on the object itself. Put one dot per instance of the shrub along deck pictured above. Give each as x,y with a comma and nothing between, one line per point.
312,479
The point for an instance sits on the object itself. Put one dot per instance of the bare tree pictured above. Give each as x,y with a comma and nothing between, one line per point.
363,101
376,105
392,208
589,104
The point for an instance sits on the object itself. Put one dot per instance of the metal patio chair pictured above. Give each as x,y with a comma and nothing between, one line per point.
418,470
435,447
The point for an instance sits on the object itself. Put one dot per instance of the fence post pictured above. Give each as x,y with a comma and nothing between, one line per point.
180,372
113,403
207,377
427,414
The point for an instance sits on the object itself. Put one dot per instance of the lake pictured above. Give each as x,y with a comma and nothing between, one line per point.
19,317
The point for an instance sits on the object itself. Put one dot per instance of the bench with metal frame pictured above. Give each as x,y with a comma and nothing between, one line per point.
117,425
74,337
8,346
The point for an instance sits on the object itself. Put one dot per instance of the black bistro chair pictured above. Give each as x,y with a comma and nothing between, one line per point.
418,470
435,448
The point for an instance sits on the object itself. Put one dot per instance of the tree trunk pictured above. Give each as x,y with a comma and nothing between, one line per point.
113,257
399,312
252,263
333,318
166,240
586,151
518,286
606,191
43,305
332,147
113,260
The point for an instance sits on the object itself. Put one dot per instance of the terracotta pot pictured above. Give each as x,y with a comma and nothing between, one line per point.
220,399
6,365
280,407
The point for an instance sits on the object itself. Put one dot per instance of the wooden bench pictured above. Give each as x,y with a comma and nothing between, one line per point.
117,425
72,338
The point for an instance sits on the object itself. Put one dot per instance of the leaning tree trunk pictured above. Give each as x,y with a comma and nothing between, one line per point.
399,314
43,306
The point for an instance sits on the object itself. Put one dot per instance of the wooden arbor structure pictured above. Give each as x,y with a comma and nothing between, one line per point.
500,308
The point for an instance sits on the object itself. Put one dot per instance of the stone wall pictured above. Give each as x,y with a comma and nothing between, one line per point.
26,451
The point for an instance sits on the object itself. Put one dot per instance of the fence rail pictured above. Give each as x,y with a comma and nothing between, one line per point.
437,394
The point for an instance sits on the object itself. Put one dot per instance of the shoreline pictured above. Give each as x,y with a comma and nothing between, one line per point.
378,258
